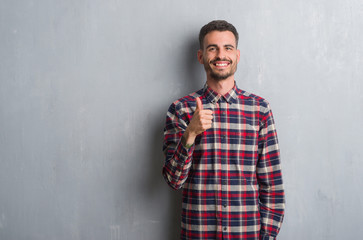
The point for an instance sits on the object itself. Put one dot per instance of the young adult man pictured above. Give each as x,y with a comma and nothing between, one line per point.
221,147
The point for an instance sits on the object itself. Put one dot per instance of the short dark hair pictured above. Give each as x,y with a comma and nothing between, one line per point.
216,25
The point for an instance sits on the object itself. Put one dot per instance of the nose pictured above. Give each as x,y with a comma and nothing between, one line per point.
221,53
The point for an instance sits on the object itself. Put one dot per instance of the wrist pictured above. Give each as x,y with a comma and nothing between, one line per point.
188,139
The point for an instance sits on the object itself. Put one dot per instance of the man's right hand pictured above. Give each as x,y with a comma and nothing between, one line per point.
201,121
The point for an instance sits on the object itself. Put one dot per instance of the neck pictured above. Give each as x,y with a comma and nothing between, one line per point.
221,86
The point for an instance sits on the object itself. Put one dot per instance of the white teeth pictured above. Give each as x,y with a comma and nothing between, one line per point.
221,64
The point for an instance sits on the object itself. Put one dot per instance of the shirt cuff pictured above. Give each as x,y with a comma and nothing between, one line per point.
184,153
264,236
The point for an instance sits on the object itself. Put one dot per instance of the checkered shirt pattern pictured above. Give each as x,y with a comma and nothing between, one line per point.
231,177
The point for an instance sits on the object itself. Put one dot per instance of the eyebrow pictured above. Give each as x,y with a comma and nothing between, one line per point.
215,45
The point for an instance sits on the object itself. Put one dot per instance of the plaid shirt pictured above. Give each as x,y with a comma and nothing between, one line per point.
231,176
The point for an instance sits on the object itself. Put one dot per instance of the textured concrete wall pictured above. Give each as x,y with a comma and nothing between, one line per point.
85,85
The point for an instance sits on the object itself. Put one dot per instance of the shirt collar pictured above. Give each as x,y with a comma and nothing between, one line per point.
214,97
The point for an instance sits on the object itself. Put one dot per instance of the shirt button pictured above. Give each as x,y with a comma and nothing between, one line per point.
225,205
225,229
223,113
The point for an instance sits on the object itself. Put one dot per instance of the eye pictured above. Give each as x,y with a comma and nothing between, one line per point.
211,49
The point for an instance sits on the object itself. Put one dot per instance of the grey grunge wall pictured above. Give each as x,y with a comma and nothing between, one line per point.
85,85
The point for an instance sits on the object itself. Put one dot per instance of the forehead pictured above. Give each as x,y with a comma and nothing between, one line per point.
219,38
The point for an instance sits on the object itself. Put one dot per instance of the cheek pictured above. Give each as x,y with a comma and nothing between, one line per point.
206,59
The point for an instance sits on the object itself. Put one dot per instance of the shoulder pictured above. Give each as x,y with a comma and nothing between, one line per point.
186,103
252,99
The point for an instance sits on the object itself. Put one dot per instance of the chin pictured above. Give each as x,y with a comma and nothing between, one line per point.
220,77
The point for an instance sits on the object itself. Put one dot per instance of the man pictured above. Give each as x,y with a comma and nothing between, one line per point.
221,147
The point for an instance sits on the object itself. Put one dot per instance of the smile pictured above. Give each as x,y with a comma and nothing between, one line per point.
221,64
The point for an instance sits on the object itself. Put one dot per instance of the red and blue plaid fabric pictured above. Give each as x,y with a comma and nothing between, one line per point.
231,176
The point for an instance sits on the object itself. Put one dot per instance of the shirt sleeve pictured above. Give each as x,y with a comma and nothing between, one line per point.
178,159
269,176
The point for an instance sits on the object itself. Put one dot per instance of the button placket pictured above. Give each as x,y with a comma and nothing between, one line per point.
224,180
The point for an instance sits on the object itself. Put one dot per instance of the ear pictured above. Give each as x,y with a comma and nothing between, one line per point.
200,56
238,55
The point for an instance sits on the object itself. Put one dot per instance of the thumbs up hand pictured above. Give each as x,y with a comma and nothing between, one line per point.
201,121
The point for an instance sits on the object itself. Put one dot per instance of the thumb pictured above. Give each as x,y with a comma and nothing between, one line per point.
199,104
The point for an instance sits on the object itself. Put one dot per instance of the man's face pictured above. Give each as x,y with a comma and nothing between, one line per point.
219,55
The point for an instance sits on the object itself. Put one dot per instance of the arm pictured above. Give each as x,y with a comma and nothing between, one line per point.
271,192
178,158
179,137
